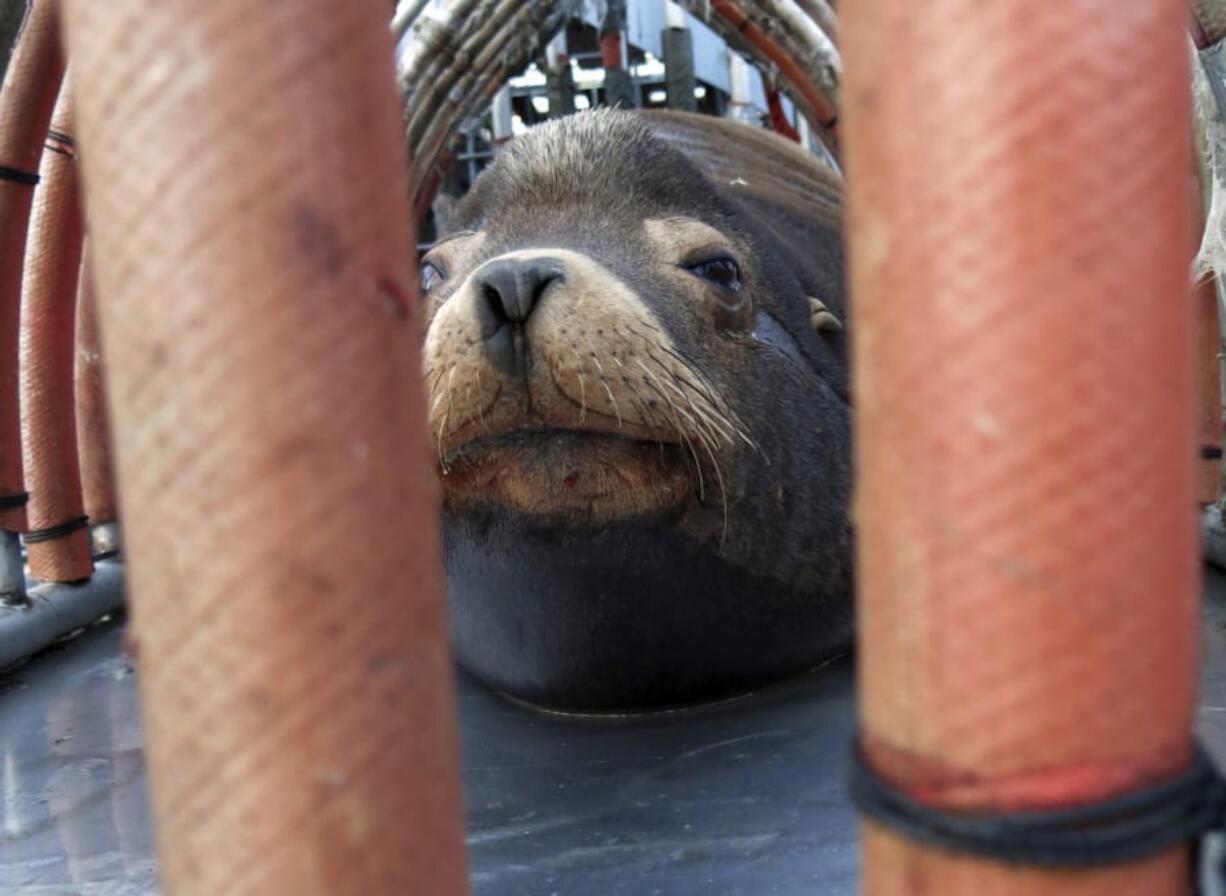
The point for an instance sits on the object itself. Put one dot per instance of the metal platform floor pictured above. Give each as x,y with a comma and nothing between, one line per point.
745,798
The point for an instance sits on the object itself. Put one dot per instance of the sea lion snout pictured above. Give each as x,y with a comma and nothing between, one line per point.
555,389
509,289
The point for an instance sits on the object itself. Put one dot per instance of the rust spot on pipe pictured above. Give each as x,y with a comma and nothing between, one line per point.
317,239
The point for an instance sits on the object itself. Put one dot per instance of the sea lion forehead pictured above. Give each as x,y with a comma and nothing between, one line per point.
607,159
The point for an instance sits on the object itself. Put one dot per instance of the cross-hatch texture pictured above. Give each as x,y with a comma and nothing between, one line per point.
1018,184
245,188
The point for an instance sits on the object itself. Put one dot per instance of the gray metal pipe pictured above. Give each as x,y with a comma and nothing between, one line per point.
12,571
55,610
106,540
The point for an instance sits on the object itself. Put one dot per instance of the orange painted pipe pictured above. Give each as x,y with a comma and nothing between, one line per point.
26,101
58,544
1026,420
254,261
93,425
778,117
611,49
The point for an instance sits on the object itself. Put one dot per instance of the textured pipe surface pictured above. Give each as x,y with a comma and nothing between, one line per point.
93,426
48,342
254,266
26,101
1019,221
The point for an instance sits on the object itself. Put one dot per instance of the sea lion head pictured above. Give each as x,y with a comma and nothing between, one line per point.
637,397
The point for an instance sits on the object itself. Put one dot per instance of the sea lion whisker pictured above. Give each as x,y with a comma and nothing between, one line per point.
659,390
702,491
604,380
695,381
728,418
648,416
446,419
616,408
704,439
670,348
682,432
582,398
485,424
723,494
713,416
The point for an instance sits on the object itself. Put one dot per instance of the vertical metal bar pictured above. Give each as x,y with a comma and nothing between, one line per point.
619,87
500,108
1026,421
678,51
559,82
12,571
255,274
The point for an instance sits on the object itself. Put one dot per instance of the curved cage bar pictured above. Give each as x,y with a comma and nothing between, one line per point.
27,98
455,61
57,540
782,39
458,56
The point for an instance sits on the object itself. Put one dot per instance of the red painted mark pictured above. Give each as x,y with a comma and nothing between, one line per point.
570,480
396,302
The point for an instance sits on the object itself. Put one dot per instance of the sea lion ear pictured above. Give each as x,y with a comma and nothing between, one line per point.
822,318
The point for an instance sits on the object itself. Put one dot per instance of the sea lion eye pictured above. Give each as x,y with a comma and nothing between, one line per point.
431,276
722,270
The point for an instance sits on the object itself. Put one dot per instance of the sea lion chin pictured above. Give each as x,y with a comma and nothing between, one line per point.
636,372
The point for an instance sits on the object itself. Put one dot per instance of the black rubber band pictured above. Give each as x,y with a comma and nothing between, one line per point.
1211,452
62,143
17,176
34,536
1120,829
14,501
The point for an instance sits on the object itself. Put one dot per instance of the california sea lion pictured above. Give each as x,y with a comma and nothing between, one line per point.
637,381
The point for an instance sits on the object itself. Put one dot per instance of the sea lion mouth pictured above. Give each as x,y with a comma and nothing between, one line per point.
535,438
585,474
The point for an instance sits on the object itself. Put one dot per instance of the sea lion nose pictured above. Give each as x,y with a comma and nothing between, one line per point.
511,287
508,289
